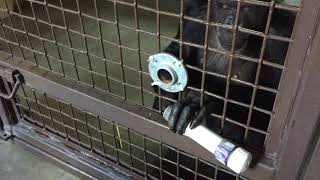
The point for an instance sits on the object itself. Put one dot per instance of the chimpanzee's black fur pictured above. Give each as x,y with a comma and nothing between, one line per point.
224,12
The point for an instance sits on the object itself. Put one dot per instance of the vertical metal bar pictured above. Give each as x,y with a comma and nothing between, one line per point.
178,163
181,29
14,32
69,40
38,108
115,8
161,158
216,172
205,53
130,149
27,101
145,157
101,134
25,30
40,34
5,37
137,26
88,130
51,118
159,50
62,119
74,123
234,29
181,36
54,38
102,45
85,41
196,169
260,62
158,25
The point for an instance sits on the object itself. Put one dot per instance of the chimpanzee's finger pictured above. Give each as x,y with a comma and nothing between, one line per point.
174,115
184,120
199,118
185,117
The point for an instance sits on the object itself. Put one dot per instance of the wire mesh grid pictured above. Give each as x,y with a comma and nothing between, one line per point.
106,44
130,149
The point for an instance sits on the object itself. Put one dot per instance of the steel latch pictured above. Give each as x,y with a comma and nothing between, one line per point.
13,76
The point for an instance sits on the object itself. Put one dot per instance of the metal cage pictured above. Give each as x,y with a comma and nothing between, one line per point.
86,97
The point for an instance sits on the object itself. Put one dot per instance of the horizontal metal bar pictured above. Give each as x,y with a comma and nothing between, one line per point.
130,115
53,148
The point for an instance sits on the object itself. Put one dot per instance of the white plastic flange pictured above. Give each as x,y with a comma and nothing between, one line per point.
171,64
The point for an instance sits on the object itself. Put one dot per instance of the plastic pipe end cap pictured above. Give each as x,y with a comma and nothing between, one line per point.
239,160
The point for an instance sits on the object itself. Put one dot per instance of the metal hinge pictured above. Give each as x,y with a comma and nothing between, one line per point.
12,76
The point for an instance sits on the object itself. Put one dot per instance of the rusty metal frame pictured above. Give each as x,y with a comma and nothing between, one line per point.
300,139
306,23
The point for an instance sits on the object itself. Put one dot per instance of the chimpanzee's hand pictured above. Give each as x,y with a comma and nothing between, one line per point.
184,112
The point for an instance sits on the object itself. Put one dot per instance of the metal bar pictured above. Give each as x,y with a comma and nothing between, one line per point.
235,29
205,54
305,25
85,41
74,122
159,50
14,33
62,119
258,72
54,37
181,20
88,130
40,34
69,38
102,45
13,92
115,9
51,118
137,26
134,117
38,109
305,108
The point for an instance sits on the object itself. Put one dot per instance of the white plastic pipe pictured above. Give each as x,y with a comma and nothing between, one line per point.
238,159
229,154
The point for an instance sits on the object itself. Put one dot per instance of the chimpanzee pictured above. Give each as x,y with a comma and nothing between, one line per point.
220,44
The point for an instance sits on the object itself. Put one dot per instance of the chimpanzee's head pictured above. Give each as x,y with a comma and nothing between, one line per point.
224,12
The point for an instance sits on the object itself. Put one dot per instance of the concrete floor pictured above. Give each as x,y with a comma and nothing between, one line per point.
17,163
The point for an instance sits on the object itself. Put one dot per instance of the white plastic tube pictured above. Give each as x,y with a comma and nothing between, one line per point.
236,158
